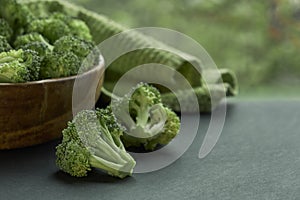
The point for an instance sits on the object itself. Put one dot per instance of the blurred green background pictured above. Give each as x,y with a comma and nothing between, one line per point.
259,40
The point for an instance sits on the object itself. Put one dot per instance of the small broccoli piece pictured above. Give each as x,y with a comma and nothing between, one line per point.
50,28
4,45
148,123
41,48
77,27
5,29
16,14
18,66
35,42
56,65
80,29
86,52
79,47
89,142
33,62
29,38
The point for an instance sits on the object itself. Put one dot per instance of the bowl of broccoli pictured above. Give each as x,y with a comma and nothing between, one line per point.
40,59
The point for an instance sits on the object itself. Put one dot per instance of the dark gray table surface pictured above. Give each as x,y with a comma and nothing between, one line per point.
256,157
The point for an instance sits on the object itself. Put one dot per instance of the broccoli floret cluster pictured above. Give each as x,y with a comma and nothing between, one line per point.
92,140
58,25
18,66
146,120
76,27
17,15
98,139
63,43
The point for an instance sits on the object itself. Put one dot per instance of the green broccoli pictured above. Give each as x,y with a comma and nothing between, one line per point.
29,38
5,29
79,47
35,42
148,123
56,65
41,48
4,45
50,28
18,66
16,14
90,142
77,27
86,52
34,63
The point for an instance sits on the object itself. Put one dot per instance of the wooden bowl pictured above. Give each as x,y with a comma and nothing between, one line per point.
36,112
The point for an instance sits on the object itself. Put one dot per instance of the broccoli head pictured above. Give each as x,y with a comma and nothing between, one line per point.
18,66
79,47
77,27
4,45
16,14
5,29
35,42
41,48
56,65
50,28
146,120
86,52
29,38
33,61
90,142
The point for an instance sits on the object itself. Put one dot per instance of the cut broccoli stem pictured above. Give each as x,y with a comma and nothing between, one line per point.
7,59
148,122
143,114
107,93
5,79
111,168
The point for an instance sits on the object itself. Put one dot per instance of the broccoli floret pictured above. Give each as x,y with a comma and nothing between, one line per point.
50,28
77,27
86,52
79,47
89,142
148,123
56,65
29,38
35,42
33,62
41,48
4,45
5,29
16,14
18,66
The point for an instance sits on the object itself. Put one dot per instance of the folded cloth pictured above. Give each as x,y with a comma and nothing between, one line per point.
147,50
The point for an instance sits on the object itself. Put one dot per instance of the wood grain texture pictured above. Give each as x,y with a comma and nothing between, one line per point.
37,112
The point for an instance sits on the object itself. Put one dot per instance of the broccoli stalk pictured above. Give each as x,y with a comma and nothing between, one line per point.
148,122
92,140
19,66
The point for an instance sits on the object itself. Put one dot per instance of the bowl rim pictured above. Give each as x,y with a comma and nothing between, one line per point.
62,79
